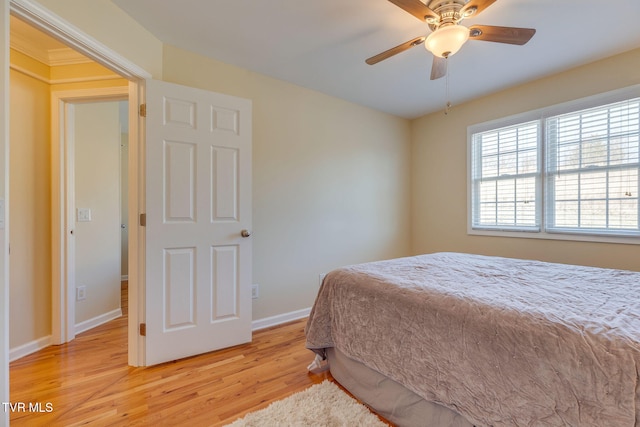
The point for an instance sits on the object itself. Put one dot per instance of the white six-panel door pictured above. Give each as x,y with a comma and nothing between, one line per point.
198,201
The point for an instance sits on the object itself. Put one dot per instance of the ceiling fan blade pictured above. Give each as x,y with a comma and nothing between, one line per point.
438,68
395,50
511,35
474,7
416,8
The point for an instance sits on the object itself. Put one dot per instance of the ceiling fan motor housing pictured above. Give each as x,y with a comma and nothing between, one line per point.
448,10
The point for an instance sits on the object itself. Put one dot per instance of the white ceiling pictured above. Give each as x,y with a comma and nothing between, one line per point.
323,44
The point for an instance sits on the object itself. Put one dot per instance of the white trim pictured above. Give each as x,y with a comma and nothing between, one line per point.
279,319
137,204
124,277
28,348
617,95
4,193
46,80
113,93
44,342
85,79
98,320
66,56
631,240
29,73
36,15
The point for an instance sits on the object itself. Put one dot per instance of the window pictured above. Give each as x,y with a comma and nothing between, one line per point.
592,169
505,174
569,171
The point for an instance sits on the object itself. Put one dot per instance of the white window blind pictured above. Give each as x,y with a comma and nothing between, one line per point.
592,167
505,178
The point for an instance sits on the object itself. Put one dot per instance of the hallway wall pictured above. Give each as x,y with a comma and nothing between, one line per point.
30,207
97,188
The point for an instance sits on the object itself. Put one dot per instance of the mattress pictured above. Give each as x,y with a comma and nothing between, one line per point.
500,341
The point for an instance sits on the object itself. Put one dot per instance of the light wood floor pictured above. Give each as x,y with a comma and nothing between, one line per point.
88,381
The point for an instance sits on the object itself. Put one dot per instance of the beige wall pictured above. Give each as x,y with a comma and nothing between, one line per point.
97,187
439,174
30,210
330,180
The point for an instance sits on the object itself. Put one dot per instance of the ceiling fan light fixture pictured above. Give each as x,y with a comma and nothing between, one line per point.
467,13
445,41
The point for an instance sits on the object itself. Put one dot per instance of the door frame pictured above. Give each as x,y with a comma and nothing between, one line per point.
62,204
4,193
42,19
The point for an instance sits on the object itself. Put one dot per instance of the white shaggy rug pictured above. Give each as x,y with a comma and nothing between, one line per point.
321,405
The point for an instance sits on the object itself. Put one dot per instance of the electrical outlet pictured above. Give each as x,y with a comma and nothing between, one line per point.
255,292
81,293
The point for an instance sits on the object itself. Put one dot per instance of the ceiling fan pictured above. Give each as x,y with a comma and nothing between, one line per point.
448,35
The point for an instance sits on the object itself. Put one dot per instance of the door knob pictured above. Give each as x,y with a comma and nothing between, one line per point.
245,233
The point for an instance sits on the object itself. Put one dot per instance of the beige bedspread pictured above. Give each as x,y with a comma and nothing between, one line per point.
504,342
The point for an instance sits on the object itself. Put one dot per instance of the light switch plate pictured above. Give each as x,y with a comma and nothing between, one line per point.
84,214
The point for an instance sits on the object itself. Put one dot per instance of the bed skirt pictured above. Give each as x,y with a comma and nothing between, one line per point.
388,398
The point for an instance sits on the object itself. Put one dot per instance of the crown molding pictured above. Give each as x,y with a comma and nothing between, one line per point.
41,18
66,56
26,46
52,57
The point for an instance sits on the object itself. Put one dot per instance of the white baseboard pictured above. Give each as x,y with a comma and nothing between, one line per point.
98,320
39,344
268,322
28,348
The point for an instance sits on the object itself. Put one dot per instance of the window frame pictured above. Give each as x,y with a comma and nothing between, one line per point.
537,174
541,115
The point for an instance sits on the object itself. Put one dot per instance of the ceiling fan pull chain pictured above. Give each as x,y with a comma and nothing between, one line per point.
447,106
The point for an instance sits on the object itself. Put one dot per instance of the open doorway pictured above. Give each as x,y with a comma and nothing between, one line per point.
42,304
90,139
96,197
86,135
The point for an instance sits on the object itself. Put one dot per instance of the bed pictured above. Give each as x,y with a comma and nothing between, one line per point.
451,339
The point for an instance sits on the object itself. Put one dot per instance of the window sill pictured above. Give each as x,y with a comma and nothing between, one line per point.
625,240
